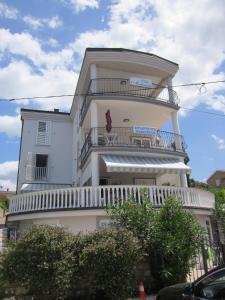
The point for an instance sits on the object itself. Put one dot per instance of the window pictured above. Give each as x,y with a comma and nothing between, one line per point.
212,287
43,135
145,181
42,127
37,166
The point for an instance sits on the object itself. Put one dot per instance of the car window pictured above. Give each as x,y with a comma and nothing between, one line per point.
212,286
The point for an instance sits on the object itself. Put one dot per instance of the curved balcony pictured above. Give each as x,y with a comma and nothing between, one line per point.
134,138
123,87
100,197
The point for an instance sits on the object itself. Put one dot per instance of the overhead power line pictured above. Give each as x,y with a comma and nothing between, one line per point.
72,95
203,111
201,84
198,83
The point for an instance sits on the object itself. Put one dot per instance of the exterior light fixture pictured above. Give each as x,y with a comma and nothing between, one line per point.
123,82
126,120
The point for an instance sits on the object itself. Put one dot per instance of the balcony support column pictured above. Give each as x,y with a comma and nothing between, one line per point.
93,76
94,168
170,90
94,123
183,180
176,130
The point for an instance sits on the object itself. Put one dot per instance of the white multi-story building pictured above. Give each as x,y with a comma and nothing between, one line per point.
110,145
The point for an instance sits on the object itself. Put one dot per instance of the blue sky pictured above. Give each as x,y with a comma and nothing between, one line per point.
42,44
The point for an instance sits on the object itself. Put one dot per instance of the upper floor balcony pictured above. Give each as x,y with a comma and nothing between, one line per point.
128,89
134,139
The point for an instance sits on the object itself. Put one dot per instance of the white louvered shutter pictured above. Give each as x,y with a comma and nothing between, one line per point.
31,162
44,133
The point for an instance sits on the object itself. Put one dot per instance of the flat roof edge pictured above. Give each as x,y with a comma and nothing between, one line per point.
44,111
128,50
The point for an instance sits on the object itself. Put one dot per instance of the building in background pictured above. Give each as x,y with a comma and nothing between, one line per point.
217,179
122,134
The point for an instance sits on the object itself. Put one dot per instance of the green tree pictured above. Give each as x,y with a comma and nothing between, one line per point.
169,236
219,206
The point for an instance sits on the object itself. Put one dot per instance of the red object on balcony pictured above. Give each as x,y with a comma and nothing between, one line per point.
108,121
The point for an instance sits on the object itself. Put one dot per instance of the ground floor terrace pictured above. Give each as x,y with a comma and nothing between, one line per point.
83,208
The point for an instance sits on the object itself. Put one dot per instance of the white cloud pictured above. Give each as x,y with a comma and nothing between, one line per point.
54,22
8,173
189,34
18,80
53,42
36,23
8,168
220,142
8,12
81,5
10,125
30,48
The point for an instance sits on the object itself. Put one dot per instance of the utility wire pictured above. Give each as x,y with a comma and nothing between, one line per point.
197,83
174,86
203,111
72,95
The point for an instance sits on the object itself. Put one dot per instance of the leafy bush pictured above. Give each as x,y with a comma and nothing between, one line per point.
4,203
108,263
179,235
50,263
169,236
40,262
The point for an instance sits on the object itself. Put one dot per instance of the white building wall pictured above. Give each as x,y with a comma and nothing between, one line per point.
59,151
74,224
110,73
88,223
168,179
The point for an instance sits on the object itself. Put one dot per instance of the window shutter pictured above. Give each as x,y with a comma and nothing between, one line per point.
31,162
31,159
44,133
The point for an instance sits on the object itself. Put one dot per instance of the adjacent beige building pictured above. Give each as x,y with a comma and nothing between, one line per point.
217,179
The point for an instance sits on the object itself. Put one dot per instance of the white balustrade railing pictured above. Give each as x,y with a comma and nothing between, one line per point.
102,196
36,173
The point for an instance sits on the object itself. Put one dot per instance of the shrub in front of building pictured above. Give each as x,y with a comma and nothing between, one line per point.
49,263
169,236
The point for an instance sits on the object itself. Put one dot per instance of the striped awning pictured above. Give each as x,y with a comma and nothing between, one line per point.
122,164
31,187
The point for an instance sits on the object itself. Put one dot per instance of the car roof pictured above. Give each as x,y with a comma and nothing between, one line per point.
209,272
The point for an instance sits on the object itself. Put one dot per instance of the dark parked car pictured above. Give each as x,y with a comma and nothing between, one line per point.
209,286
